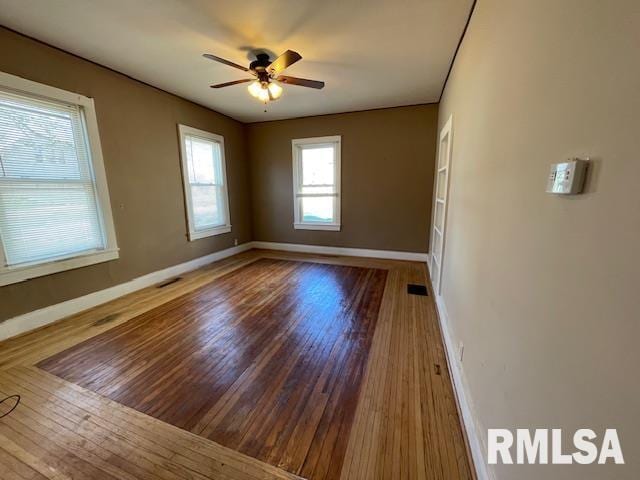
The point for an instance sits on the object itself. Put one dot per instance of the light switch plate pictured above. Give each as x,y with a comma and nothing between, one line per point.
567,178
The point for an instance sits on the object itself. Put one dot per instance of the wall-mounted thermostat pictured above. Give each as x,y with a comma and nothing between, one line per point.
567,178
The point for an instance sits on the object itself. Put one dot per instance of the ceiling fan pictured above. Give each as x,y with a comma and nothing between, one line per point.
265,86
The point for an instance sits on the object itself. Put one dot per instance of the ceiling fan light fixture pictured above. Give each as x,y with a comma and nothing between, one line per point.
263,95
275,90
255,88
265,91
260,90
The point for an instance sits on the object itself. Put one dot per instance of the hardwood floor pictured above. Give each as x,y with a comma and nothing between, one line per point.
263,355
266,360
62,431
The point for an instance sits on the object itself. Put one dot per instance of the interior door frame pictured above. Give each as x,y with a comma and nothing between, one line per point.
440,197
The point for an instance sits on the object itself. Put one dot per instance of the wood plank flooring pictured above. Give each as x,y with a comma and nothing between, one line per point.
404,419
266,360
62,431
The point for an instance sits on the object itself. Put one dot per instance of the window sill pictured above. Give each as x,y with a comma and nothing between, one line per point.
209,232
334,227
11,275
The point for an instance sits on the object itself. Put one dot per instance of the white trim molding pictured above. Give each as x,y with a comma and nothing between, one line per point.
350,252
441,200
297,146
332,227
22,273
44,316
185,131
84,108
473,429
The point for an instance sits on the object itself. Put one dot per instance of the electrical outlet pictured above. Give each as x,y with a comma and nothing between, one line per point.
460,351
235,242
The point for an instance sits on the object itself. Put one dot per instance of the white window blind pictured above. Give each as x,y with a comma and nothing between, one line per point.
205,182
316,171
48,206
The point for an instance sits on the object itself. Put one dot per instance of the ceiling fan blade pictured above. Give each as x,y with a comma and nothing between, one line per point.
285,60
226,62
303,82
235,82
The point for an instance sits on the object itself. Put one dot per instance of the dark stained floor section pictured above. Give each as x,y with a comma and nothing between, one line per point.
267,360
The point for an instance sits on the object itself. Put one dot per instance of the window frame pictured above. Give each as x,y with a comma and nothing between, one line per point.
297,145
22,272
193,233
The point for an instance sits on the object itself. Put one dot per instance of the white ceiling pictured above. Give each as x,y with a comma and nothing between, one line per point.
370,53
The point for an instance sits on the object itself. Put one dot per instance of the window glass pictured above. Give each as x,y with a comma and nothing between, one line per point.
316,180
317,209
205,187
317,166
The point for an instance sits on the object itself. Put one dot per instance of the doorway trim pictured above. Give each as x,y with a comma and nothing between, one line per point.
440,202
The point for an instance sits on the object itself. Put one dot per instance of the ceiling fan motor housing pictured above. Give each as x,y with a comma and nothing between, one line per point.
260,64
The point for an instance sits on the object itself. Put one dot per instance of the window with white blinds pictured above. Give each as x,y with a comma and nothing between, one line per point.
51,209
205,182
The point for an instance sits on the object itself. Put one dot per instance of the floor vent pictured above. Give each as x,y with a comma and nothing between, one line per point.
414,289
169,282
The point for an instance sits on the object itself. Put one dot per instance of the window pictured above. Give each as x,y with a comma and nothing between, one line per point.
54,204
205,182
316,183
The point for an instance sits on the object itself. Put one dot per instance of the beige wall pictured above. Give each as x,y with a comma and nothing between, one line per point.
543,290
387,174
387,183
140,145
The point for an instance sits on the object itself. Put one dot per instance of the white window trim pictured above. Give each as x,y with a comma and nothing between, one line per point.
20,273
295,150
194,234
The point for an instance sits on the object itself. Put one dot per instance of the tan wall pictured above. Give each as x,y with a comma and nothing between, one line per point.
140,145
387,174
543,290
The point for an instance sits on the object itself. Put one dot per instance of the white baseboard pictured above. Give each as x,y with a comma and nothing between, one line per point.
38,318
471,425
351,252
